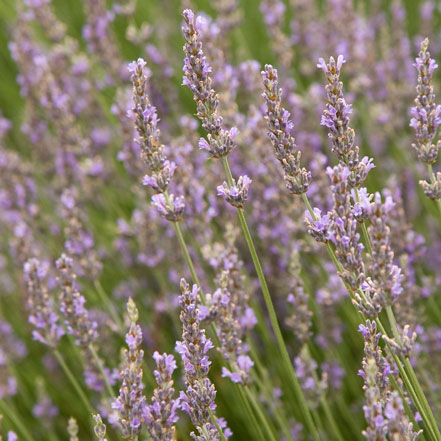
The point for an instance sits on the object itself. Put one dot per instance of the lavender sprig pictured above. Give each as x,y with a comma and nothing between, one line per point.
199,398
161,416
237,193
77,318
42,312
384,410
222,310
426,115
426,118
336,118
197,78
152,151
131,401
297,179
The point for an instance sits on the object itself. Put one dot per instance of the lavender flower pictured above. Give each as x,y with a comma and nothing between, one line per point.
197,78
336,118
161,416
222,311
426,115
170,207
384,410
406,343
72,303
426,118
300,319
79,241
41,307
131,401
312,387
199,398
386,276
279,131
375,374
152,151
343,231
237,193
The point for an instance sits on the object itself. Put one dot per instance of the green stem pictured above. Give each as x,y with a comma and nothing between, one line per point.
105,299
324,403
272,313
99,364
219,430
261,415
74,382
250,413
15,420
187,257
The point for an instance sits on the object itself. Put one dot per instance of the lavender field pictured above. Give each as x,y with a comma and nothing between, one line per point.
220,220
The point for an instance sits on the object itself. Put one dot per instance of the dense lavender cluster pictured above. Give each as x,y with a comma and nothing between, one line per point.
117,190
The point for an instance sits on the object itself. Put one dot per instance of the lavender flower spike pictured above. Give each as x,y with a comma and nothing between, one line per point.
384,410
42,313
131,401
161,416
198,399
152,151
336,118
72,303
236,194
426,115
426,118
279,131
197,78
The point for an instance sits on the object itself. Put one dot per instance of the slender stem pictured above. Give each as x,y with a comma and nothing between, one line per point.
99,364
259,412
74,382
187,257
15,420
105,299
272,313
255,424
325,405
219,430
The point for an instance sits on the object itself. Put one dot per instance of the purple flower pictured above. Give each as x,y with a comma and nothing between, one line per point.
236,194
131,401
42,314
279,126
77,318
199,397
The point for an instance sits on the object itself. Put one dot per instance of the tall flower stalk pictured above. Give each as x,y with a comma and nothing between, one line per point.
219,143
426,118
